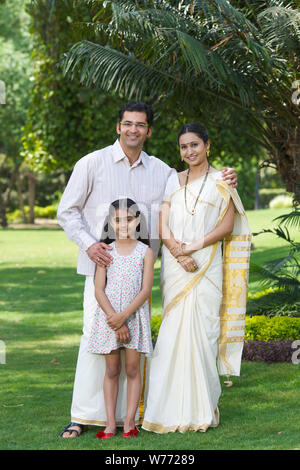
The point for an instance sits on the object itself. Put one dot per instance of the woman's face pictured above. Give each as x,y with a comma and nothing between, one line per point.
124,223
193,149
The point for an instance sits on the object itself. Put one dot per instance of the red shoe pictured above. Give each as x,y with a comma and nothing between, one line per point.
105,435
132,433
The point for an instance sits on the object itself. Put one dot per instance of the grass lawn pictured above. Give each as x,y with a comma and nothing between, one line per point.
41,320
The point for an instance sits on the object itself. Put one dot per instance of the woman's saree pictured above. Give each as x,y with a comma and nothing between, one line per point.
202,330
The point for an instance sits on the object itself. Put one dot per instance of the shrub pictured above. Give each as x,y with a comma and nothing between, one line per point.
48,212
277,328
281,202
155,324
268,351
267,194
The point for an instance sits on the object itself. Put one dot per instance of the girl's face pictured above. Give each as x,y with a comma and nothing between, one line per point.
193,149
124,223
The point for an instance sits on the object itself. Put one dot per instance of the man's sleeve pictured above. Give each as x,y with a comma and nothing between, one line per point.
69,213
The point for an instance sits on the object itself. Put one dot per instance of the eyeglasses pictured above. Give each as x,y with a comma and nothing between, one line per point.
139,125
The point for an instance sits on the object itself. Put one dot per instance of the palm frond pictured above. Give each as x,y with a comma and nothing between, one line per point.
109,69
288,280
292,219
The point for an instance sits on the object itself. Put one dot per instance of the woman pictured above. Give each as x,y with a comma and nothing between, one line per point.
204,296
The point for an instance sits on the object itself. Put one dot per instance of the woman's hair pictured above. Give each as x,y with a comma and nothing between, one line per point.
138,106
108,233
195,128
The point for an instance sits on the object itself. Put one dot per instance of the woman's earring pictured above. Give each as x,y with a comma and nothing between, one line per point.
208,153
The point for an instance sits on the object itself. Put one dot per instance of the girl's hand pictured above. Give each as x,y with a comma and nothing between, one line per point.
122,334
115,321
188,263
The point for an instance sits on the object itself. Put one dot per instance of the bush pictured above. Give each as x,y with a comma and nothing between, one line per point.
48,212
155,324
281,202
267,194
277,328
268,351
273,302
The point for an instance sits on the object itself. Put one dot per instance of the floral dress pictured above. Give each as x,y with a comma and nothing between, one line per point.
124,282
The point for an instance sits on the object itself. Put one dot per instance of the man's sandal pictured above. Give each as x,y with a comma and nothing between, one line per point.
82,427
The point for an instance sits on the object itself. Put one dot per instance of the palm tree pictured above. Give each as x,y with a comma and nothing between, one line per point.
204,55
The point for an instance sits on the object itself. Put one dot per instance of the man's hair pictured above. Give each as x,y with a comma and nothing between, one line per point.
138,106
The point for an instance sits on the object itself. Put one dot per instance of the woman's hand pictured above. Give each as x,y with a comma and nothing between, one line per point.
122,334
116,320
176,249
188,263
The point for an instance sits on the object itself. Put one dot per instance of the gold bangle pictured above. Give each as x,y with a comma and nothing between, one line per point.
185,257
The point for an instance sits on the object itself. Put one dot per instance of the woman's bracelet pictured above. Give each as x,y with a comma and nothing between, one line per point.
184,258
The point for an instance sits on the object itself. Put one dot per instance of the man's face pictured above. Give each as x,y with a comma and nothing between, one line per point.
133,129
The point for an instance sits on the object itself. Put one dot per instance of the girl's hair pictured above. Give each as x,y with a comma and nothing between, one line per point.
195,128
108,233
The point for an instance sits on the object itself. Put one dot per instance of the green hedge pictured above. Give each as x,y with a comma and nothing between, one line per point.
264,328
48,212
257,328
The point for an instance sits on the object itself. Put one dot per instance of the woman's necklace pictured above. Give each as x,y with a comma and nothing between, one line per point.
200,191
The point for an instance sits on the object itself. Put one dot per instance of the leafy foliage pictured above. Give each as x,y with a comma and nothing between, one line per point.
283,272
203,55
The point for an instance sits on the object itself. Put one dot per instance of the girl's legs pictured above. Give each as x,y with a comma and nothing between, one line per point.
132,367
110,388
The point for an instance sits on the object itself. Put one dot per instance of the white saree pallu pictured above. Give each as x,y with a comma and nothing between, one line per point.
201,335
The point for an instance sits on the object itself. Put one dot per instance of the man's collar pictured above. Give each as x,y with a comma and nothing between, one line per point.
118,154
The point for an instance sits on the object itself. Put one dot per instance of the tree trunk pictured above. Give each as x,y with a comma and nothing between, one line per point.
31,195
3,219
287,159
4,198
257,204
20,196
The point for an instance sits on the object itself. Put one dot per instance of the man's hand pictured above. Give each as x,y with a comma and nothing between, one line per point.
230,176
97,253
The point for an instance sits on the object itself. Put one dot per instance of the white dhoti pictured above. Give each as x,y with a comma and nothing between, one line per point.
88,406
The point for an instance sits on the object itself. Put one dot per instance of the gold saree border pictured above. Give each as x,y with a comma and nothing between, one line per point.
190,285
161,429
193,282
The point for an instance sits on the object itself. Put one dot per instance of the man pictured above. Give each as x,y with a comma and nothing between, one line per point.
117,171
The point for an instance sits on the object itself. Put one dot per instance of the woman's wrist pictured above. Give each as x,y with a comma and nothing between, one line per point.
186,249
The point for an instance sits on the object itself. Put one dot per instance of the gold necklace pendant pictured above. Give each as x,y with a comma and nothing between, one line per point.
203,184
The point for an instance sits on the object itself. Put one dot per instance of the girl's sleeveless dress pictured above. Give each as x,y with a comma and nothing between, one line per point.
124,282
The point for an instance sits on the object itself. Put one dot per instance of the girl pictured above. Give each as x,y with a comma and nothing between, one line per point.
122,319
